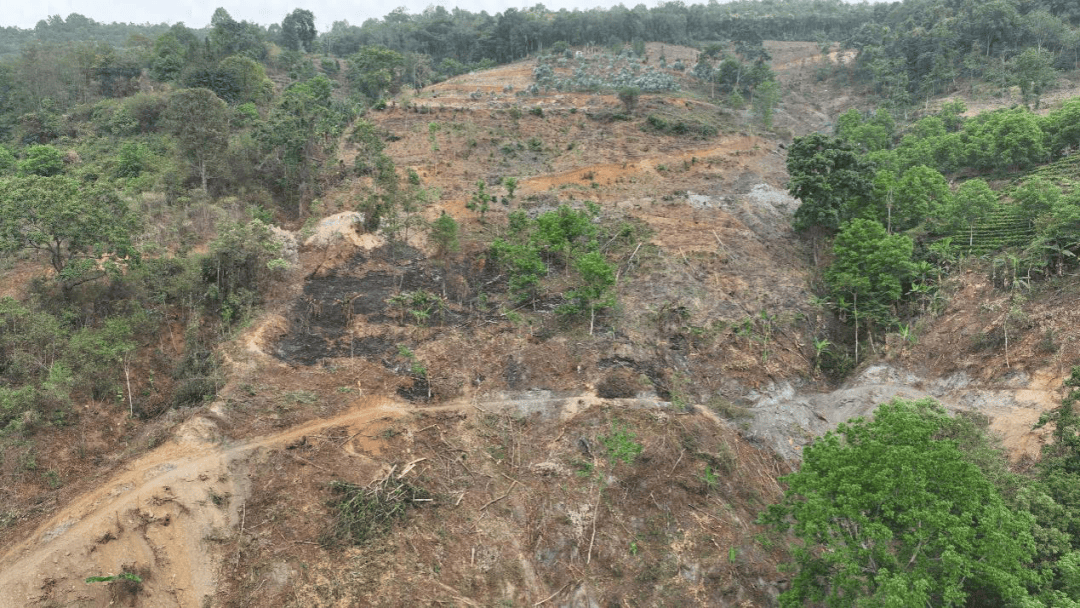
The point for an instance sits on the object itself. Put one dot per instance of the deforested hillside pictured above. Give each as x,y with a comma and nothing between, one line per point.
691,305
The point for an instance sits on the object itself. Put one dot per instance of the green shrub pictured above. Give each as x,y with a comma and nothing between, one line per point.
43,160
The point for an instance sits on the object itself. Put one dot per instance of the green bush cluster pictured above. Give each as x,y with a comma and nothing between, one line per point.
565,238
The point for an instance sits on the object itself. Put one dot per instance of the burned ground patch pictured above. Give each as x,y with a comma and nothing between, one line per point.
322,319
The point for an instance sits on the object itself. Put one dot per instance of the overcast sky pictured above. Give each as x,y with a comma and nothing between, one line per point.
26,13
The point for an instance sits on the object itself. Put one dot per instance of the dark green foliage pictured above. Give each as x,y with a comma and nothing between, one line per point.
375,70
297,133
146,109
131,160
680,126
7,161
298,30
196,373
36,379
98,353
480,200
892,511
629,98
830,178
235,79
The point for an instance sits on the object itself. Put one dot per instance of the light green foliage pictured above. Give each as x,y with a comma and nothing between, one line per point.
511,184
566,237
620,444
1037,196
597,277
1054,499
891,512
922,196
869,135
74,224
766,97
883,202
972,203
123,576
566,231
867,274
7,161
419,306
1062,126
43,160
1059,232
444,233
521,258
1033,70
1004,138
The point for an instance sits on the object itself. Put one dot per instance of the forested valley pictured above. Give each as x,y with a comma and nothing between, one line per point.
761,303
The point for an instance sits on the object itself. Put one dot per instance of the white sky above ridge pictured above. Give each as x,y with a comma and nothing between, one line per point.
197,14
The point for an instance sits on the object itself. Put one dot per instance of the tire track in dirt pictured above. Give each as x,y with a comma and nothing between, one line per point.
162,514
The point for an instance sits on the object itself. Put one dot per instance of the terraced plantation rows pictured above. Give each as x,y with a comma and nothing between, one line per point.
1005,227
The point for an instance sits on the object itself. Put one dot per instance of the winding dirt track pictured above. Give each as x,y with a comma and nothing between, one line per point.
165,510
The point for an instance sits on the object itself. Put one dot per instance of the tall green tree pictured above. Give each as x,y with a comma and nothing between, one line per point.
1033,70
766,97
922,196
972,203
298,30
832,180
74,224
199,119
890,512
866,276
375,70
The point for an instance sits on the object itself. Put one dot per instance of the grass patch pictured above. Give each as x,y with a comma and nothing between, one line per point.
621,445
